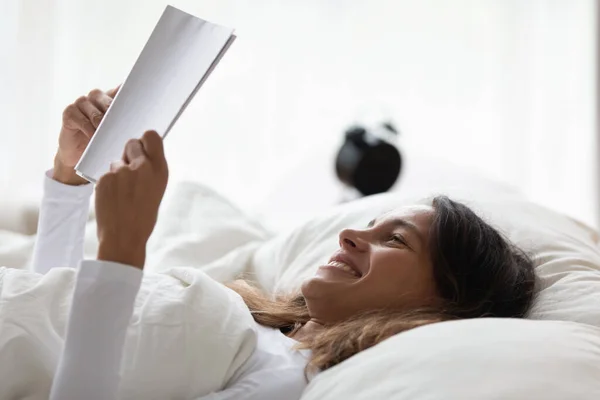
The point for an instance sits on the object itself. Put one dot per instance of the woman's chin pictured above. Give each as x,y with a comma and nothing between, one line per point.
325,281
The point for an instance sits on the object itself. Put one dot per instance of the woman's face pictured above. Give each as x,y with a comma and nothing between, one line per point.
386,265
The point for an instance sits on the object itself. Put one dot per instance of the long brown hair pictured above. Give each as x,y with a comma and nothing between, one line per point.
478,272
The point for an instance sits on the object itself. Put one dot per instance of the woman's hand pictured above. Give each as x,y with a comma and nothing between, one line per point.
128,198
79,123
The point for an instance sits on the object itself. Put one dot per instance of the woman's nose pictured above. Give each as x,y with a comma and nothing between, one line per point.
350,240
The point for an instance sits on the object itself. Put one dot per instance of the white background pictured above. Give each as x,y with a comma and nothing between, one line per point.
506,87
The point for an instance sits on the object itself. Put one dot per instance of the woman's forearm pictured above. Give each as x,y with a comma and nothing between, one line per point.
124,252
61,227
102,306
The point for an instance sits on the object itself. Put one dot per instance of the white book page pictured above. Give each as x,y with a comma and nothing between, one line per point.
180,53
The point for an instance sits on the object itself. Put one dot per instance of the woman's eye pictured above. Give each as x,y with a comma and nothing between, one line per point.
397,239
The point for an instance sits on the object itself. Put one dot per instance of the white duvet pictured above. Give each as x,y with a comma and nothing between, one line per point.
187,337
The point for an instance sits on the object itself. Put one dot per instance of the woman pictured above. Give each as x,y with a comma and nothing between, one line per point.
410,267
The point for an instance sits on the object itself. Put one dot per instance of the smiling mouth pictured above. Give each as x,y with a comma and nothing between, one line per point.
344,267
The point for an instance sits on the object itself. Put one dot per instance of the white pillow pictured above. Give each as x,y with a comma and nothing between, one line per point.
472,360
16,249
197,227
477,359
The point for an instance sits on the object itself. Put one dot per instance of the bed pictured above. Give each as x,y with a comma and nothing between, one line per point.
554,354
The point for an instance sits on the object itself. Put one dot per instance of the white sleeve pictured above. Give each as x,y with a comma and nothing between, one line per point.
61,226
90,362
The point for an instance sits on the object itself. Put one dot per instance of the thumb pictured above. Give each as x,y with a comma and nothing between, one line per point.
153,146
133,150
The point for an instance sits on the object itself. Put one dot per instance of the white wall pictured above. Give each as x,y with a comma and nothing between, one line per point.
506,87
8,35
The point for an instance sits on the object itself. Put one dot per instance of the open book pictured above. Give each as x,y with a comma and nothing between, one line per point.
179,56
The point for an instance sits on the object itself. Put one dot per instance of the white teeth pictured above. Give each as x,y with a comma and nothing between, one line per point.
344,266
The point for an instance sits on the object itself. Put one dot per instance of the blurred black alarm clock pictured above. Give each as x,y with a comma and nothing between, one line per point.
368,161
